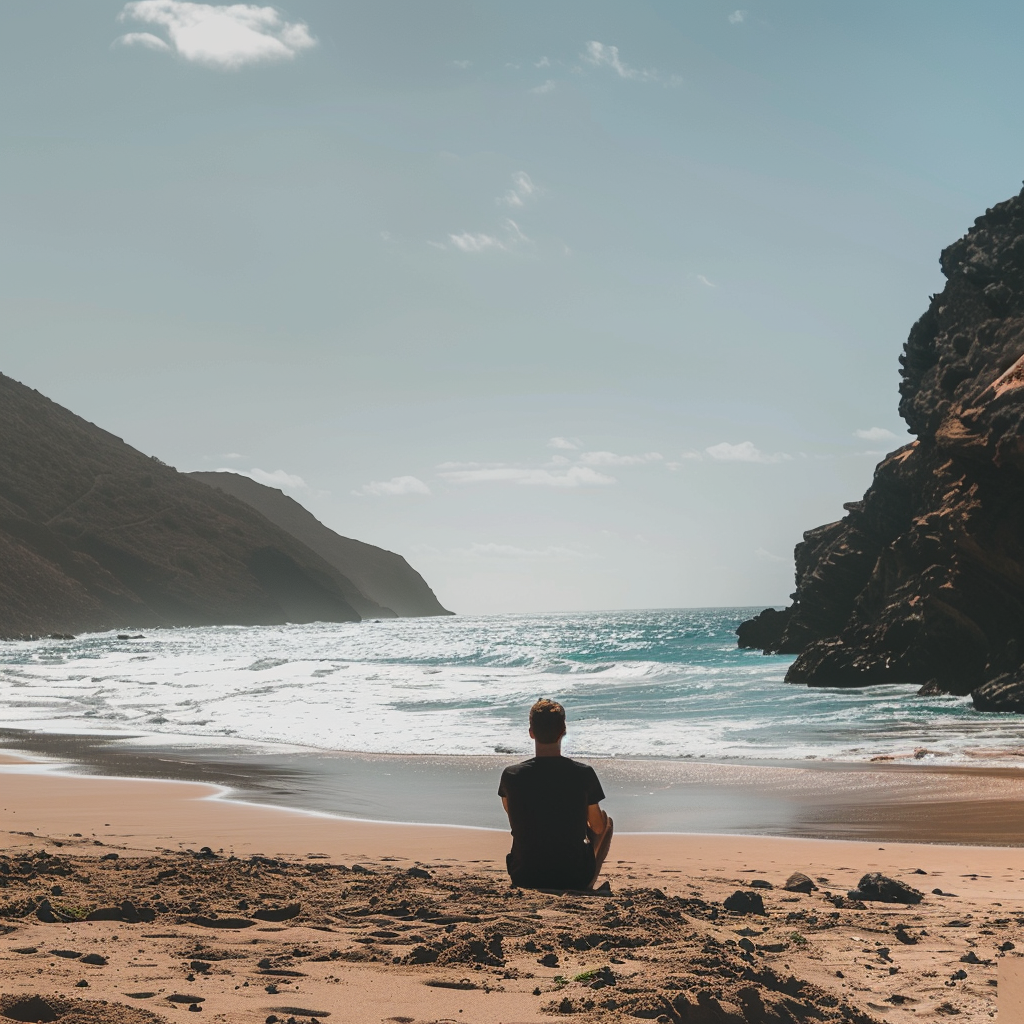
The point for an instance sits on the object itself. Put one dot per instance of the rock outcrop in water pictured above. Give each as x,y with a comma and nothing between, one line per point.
923,581
95,535
392,585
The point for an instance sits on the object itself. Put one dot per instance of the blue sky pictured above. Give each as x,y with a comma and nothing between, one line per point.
576,305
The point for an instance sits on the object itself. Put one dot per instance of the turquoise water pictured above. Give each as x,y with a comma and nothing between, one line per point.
660,683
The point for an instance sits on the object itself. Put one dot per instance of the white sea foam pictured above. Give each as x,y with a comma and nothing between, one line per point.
662,684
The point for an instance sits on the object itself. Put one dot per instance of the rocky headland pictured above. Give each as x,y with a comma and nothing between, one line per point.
923,581
95,535
392,585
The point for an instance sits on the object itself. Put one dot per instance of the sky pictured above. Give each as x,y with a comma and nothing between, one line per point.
584,305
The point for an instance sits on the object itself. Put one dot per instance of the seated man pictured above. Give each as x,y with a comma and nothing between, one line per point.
560,836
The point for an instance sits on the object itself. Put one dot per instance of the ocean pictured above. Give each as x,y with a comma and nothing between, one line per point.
666,684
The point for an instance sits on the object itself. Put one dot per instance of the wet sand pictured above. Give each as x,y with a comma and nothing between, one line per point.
884,802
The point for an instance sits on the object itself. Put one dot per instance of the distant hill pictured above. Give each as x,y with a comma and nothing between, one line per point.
381,575
95,535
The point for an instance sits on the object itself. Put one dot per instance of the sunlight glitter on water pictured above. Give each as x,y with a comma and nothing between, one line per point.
651,683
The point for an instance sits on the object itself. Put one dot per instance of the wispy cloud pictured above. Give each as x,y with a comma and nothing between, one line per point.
225,37
704,281
737,17
601,55
611,459
875,434
565,443
544,87
462,64
573,476
743,452
471,242
521,191
143,39
766,556
397,486
278,478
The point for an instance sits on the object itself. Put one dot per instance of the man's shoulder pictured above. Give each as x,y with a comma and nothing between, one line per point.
523,766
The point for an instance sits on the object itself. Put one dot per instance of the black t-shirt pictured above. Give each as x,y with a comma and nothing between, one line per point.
548,799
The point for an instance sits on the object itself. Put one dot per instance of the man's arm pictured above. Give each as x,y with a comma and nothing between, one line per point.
597,821
504,803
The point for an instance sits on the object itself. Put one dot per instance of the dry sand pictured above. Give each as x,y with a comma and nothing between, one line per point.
386,945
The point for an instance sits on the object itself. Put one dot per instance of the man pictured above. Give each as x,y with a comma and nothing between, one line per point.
560,835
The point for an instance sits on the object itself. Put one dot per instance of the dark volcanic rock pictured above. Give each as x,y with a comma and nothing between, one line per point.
923,581
880,888
95,535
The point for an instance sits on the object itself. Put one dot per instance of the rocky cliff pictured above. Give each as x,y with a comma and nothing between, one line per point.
382,576
923,581
95,535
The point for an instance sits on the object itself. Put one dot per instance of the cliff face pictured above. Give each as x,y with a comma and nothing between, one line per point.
923,580
95,535
389,583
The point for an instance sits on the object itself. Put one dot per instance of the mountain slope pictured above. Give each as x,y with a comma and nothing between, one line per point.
381,575
95,535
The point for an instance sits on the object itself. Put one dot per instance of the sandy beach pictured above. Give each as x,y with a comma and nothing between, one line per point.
298,915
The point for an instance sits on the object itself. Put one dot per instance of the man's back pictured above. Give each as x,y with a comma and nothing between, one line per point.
548,799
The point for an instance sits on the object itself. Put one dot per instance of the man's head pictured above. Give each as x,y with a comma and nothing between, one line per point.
547,721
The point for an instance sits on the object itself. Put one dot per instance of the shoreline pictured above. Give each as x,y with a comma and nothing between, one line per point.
972,806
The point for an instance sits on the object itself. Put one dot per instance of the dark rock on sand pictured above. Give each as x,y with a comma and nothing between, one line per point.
799,882
876,887
923,581
741,902
278,913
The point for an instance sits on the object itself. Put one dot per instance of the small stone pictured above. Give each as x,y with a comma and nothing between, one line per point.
741,902
880,888
799,882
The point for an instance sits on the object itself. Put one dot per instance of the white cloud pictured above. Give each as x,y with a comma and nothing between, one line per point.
144,39
511,551
522,189
564,443
279,478
766,556
875,434
545,87
743,452
601,55
468,242
396,486
574,476
611,459
225,37
737,17
542,63
232,455
704,281
462,64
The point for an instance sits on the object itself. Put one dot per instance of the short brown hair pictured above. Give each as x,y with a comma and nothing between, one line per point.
547,720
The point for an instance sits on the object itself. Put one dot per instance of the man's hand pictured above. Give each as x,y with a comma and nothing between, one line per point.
597,821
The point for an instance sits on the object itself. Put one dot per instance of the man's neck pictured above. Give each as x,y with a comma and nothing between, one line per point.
548,749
